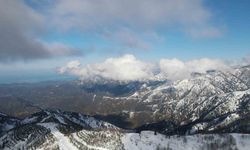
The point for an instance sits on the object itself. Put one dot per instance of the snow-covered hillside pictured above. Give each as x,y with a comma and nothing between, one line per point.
53,129
205,102
55,133
147,140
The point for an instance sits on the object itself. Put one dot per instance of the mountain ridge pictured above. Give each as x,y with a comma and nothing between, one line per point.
55,129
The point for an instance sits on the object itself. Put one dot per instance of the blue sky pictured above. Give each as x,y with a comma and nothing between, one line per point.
48,34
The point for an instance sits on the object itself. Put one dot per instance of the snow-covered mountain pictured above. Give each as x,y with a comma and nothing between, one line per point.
205,111
57,129
212,102
74,131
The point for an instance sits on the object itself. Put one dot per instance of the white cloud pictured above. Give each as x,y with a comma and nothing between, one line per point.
122,68
72,67
175,69
129,68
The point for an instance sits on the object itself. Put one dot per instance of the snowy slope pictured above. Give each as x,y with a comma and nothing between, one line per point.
54,130
147,140
62,141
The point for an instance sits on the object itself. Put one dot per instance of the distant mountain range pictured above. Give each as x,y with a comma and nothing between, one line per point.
215,103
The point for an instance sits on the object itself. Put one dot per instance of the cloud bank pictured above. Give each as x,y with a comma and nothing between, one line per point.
129,68
176,69
122,68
